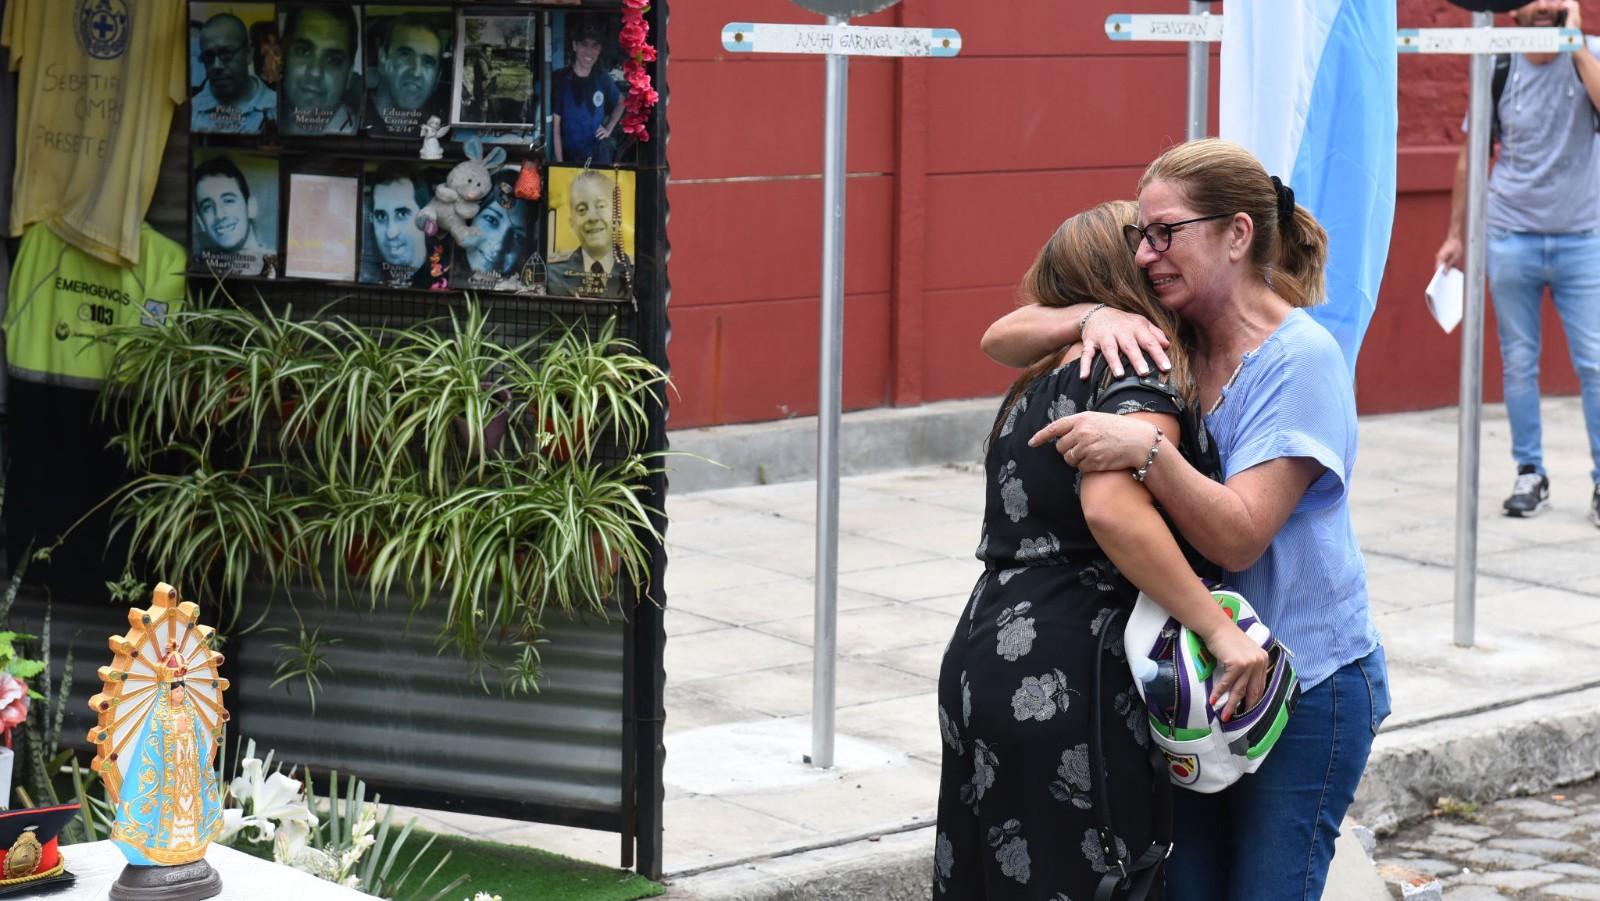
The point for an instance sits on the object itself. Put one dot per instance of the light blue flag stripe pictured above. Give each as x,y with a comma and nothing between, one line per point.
1344,172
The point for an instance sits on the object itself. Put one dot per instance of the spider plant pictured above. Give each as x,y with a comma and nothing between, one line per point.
305,442
581,388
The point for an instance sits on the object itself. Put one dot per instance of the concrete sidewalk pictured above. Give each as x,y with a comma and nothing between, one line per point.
1518,712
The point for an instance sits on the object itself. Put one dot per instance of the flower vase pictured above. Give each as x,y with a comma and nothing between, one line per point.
7,758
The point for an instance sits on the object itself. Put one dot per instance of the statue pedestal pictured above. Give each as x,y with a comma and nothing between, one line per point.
185,882
99,864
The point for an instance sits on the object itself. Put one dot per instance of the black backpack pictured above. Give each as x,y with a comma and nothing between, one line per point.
1502,71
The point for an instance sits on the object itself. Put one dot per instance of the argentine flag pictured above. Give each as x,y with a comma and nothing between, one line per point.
1310,87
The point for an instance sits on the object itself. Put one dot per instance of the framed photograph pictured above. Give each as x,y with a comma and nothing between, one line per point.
395,252
321,239
234,63
409,51
321,85
497,82
586,87
233,198
509,251
591,233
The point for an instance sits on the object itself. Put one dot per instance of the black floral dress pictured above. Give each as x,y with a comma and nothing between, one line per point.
1016,817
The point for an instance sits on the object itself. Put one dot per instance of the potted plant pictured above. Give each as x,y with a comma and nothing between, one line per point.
438,461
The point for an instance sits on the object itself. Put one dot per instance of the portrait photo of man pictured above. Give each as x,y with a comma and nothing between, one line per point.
395,252
407,58
507,225
231,98
235,214
321,70
592,241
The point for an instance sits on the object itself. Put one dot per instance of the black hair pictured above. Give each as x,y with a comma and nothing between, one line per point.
393,172
221,165
411,20
343,14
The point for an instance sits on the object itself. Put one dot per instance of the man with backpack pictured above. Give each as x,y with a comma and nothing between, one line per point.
1544,231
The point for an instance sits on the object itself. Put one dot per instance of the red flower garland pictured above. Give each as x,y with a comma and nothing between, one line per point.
641,96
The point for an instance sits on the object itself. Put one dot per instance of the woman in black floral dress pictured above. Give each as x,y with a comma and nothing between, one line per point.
1063,553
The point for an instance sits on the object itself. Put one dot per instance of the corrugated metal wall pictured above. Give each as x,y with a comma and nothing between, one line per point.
396,711
400,715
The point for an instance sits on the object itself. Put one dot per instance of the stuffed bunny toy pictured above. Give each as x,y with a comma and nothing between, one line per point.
456,201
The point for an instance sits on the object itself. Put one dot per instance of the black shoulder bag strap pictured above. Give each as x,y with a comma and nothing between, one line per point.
1140,875
1497,87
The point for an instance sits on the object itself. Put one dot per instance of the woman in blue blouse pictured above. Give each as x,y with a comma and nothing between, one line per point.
1226,248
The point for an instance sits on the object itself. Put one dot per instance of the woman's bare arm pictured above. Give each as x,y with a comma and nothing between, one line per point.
1130,530
1029,332
1231,523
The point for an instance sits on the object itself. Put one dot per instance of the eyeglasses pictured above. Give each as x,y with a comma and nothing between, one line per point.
1159,234
224,55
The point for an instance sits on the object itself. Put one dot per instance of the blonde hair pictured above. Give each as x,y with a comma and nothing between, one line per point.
1087,261
1217,176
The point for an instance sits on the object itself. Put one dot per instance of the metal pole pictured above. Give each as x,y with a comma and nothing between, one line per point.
1472,344
1199,79
830,368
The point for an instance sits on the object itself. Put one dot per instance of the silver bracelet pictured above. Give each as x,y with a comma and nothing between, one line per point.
1085,320
1155,448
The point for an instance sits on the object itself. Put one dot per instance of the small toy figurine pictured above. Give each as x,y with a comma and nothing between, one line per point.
160,718
456,201
438,269
432,131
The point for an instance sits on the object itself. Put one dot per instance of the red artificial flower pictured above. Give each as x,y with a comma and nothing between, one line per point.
642,97
13,704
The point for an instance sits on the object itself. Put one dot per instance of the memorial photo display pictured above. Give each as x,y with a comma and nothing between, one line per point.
320,241
394,251
586,87
408,51
233,200
591,233
497,64
321,87
235,62
508,252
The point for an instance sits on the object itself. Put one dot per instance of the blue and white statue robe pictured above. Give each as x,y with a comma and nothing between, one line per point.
169,808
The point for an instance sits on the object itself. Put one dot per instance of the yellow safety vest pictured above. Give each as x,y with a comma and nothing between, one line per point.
63,302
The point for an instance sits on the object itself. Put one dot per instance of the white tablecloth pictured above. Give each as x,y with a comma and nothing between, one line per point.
244,878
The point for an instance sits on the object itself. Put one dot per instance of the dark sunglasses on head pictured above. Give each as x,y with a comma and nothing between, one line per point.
1159,234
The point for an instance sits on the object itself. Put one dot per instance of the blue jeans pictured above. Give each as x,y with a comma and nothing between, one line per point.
1521,265
1270,836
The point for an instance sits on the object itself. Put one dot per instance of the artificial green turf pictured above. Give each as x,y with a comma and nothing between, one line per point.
513,872
518,873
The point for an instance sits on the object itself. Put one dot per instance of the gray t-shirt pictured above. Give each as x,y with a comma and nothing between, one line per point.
1547,178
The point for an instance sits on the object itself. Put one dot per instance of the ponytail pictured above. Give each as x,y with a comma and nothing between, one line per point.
1298,276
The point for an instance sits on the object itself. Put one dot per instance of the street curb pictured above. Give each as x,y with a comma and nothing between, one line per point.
869,441
1520,748
896,867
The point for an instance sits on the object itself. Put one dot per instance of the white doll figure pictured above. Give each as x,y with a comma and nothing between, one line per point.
432,131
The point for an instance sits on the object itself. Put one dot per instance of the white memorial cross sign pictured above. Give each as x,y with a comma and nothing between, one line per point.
1131,27
1199,30
837,41
846,40
1481,42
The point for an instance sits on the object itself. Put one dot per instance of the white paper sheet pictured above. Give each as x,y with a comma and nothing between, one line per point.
1445,295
